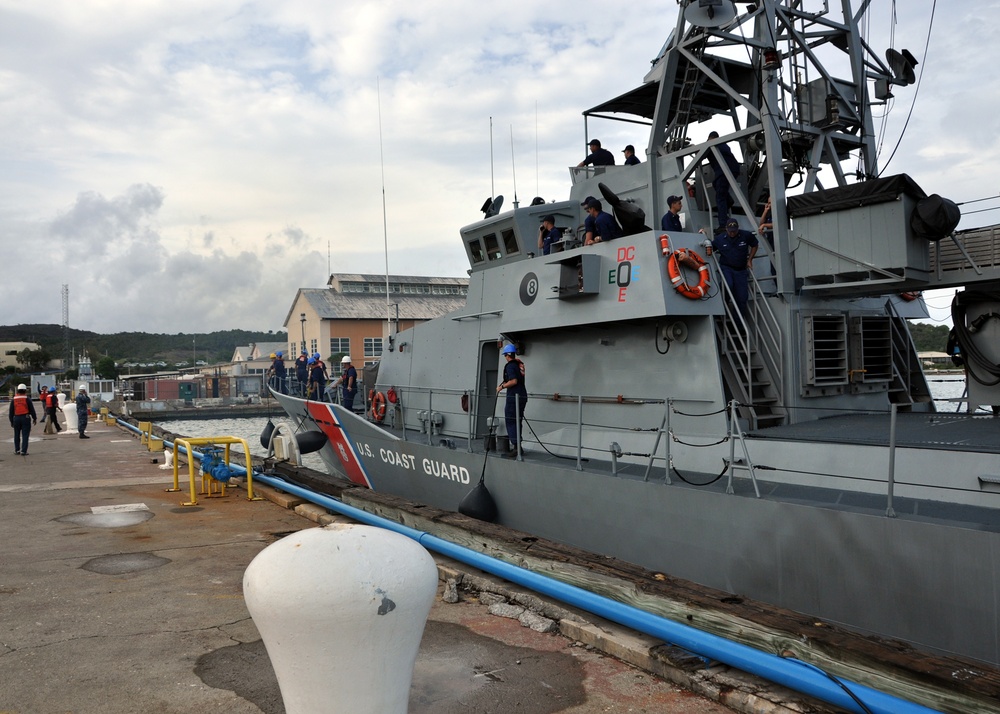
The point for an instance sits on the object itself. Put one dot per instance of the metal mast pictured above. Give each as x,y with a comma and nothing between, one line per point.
65,322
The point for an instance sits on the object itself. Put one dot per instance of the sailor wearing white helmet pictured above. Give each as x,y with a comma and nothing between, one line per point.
349,380
22,416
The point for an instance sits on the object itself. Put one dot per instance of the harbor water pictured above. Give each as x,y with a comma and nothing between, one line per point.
944,387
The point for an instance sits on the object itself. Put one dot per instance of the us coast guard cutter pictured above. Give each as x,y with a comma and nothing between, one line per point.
793,454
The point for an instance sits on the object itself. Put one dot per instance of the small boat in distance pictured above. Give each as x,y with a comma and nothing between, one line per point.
788,451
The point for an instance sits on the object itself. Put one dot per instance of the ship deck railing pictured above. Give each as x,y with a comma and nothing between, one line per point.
647,451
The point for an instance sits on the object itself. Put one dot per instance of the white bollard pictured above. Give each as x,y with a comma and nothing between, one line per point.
341,610
69,412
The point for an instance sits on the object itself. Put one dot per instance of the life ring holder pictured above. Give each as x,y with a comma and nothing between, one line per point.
378,407
691,259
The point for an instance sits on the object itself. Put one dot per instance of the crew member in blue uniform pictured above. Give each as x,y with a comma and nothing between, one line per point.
736,248
630,158
597,156
82,410
317,379
348,381
22,416
720,183
279,374
517,396
599,226
671,219
548,234
302,372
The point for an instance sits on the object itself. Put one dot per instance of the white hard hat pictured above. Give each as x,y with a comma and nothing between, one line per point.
82,388
346,359
22,387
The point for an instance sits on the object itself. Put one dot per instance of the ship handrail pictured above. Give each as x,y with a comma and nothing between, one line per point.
767,338
659,424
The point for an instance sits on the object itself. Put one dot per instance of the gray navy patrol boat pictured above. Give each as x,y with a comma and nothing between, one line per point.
792,453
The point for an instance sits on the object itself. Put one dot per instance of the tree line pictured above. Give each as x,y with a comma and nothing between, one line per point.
129,346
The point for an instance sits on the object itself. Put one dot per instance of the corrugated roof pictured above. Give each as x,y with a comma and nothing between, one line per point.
338,278
331,305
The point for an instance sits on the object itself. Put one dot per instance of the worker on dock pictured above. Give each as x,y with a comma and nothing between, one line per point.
82,409
50,404
22,416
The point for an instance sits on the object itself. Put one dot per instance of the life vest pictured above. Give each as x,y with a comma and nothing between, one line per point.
21,407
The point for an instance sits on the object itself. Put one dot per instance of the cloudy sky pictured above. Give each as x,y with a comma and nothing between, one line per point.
187,166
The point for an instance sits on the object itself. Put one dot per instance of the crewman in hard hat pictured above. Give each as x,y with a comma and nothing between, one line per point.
317,379
277,373
348,380
22,416
517,396
82,409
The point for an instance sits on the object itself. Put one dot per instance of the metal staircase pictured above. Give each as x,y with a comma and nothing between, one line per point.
749,355
908,386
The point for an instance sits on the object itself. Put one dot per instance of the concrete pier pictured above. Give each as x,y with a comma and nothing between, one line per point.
115,598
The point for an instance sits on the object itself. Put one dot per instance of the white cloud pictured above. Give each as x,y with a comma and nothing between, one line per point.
210,153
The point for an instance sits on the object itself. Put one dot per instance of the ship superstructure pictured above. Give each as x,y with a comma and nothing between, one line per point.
791,452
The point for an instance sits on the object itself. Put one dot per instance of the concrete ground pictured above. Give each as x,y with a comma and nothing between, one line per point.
115,598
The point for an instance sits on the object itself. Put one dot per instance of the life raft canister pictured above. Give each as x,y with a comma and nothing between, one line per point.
689,258
378,407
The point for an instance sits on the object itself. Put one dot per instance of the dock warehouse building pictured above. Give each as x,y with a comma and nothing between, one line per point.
349,316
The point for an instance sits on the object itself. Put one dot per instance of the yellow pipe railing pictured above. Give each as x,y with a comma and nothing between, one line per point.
228,441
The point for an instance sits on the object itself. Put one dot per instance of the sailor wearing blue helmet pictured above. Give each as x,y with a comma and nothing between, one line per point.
317,378
278,374
517,397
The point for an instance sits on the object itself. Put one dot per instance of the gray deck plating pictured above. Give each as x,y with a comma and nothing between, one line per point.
961,432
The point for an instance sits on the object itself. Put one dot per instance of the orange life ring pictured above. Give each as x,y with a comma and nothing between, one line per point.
378,407
691,259
911,295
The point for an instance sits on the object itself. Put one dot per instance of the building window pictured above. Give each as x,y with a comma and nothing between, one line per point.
313,347
373,346
340,345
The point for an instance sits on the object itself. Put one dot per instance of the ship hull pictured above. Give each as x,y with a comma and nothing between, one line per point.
843,562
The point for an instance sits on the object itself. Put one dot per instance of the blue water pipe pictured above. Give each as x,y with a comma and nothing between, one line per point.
790,673
794,674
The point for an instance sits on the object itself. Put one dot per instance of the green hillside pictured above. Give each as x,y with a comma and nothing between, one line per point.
139,346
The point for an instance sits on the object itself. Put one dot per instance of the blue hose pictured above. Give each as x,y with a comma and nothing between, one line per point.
787,672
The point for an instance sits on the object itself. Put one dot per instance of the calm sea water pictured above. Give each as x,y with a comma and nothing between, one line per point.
943,386
248,428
